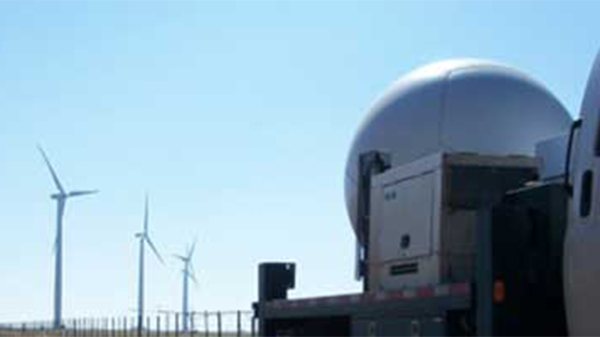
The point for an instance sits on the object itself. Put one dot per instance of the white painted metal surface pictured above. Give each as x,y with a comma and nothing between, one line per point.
408,203
582,243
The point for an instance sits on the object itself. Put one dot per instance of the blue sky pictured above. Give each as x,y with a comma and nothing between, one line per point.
236,117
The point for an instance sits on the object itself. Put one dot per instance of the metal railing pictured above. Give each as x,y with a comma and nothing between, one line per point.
164,323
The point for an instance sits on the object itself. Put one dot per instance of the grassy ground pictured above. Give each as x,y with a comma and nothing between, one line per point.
69,333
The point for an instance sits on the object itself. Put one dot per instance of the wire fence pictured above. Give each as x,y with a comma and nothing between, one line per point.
165,323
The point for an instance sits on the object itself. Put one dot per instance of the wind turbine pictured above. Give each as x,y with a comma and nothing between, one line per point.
188,273
144,238
61,201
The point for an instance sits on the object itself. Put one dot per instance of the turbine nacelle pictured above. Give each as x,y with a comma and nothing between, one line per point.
58,196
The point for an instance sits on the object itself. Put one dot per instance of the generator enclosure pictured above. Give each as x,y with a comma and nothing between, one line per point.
424,216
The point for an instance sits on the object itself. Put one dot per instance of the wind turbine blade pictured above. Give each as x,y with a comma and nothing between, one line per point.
146,216
191,251
154,249
193,277
192,273
80,193
52,172
182,258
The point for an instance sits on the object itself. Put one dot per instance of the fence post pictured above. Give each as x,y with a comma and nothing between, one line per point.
140,324
158,325
206,326
167,323
176,324
219,331
193,323
253,327
239,323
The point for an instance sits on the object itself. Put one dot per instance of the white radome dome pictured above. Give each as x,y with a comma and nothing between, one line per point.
461,105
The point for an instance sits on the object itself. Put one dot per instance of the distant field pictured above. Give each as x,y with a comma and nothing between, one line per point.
67,333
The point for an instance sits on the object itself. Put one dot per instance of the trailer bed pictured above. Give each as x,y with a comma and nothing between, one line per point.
425,308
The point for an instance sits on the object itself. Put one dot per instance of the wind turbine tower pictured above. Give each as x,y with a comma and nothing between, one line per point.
144,238
188,273
61,200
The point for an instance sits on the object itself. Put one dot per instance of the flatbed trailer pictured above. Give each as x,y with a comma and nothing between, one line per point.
516,288
385,313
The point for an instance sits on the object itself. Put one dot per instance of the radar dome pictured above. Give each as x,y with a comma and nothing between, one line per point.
462,105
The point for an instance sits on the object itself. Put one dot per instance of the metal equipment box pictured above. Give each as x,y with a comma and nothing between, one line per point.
423,216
